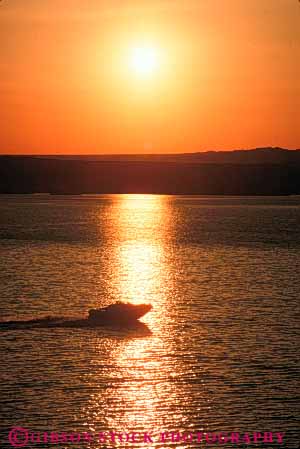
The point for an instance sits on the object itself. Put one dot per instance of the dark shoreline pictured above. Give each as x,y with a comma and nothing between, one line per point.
61,176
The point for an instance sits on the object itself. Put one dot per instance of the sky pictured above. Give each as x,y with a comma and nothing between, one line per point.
98,77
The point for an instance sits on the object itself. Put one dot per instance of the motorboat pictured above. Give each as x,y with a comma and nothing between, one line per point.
119,312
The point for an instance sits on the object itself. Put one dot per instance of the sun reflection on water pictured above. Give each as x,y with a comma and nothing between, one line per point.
138,377
141,271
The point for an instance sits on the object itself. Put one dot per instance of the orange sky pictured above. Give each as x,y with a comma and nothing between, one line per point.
227,76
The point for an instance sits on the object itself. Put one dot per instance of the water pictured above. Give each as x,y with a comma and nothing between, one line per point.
223,276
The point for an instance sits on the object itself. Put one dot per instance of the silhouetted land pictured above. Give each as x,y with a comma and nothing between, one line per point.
252,172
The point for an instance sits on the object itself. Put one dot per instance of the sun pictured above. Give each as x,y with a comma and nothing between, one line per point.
144,60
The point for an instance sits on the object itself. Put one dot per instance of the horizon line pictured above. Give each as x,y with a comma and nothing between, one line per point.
149,154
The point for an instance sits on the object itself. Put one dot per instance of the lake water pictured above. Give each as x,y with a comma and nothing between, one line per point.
222,274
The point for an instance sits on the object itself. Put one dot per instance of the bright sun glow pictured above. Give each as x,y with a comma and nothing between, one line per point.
144,60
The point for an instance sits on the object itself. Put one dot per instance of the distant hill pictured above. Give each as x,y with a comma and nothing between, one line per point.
254,156
263,171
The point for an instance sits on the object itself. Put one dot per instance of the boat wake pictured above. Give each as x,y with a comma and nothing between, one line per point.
71,323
